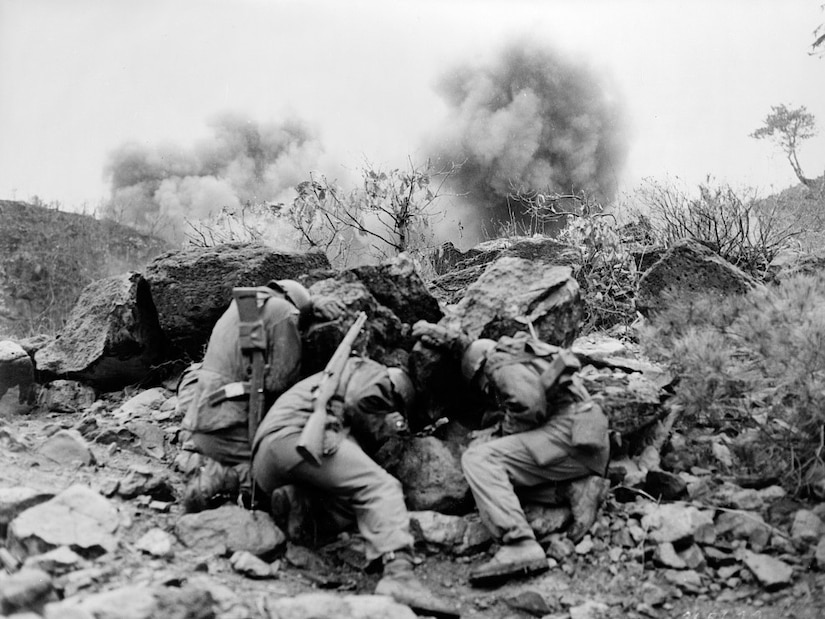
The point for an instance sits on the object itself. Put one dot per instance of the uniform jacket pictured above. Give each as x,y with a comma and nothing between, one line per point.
513,382
367,394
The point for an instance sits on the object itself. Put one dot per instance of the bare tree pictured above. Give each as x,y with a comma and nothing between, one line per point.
392,210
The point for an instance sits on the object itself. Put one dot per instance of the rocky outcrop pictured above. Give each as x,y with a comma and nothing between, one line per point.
381,337
191,288
111,338
48,256
393,296
514,292
689,268
459,270
398,287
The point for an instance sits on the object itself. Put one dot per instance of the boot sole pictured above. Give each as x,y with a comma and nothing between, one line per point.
505,572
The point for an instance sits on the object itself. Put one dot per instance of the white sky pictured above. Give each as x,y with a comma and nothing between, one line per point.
80,77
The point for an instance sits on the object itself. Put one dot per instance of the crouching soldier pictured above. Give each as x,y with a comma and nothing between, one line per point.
369,407
215,394
545,429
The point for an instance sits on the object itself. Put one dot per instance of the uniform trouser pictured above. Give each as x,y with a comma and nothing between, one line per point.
374,495
229,446
495,469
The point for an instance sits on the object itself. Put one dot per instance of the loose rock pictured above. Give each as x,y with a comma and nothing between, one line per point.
771,573
229,528
56,562
67,447
432,477
65,396
156,542
309,605
78,517
671,522
28,589
806,527
17,499
249,565
749,526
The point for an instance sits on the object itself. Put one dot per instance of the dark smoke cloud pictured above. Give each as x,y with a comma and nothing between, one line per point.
157,189
534,120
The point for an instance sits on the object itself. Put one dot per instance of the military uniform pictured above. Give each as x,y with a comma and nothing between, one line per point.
347,471
536,444
218,415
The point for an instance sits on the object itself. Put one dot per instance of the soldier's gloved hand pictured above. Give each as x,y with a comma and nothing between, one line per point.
327,308
396,424
437,336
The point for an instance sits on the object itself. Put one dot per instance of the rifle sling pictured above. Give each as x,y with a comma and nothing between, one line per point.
253,345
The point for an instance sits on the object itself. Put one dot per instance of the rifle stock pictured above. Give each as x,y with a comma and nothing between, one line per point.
311,443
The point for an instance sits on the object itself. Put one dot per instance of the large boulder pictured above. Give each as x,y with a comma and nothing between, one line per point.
398,287
431,474
393,296
380,339
689,268
16,369
191,288
513,292
111,339
458,270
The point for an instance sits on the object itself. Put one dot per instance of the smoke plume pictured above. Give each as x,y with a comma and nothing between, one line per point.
158,189
529,120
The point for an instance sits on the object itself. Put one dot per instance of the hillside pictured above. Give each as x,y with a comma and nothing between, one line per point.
47,257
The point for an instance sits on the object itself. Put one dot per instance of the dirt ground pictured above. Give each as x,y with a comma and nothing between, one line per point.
591,577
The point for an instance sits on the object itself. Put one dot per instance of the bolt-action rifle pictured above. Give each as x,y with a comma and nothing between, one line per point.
311,444
253,346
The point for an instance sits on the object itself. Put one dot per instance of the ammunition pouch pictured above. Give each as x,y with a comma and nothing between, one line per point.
590,426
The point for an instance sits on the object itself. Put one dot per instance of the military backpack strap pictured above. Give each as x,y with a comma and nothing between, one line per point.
252,340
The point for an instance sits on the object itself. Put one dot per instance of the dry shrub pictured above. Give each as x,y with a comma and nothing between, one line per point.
742,228
755,361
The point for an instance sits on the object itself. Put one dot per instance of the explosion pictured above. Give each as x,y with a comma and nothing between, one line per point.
159,189
532,120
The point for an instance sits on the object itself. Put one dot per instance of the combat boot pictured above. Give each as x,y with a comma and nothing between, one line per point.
291,510
211,485
586,496
399,582
515,559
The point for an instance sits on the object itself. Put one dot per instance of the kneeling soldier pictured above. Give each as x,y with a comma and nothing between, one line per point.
547,429
215,395
370,406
